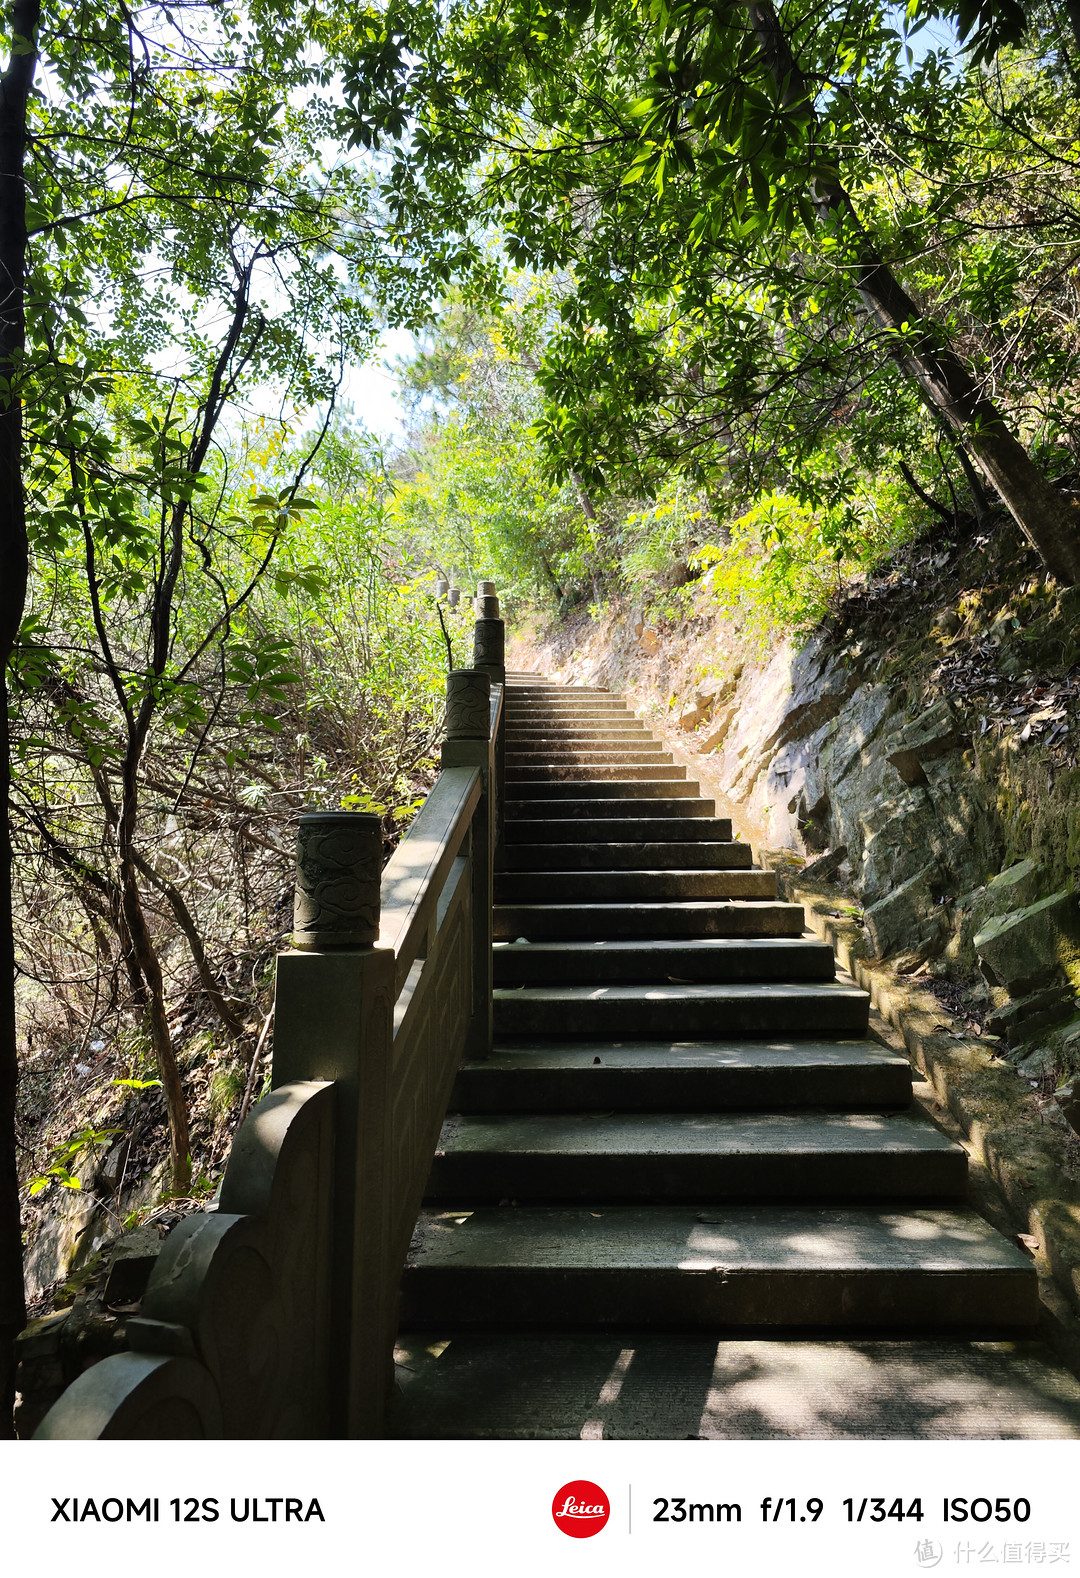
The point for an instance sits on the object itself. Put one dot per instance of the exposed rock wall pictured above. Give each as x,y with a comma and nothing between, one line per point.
905,765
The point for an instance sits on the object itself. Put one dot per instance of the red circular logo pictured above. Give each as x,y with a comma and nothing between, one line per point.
580,1509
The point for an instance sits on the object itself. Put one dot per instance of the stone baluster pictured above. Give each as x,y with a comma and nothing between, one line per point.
338,869
453,596
468,743
334,1021
489,654
441,587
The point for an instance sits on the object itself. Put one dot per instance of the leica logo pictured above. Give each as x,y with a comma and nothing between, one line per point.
580,1509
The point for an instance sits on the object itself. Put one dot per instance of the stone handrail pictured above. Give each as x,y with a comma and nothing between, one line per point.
274,1314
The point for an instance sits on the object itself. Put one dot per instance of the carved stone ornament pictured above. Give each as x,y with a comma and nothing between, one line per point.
486,589
486,608
441,587
489,644
338,871
233,1337
453,596
468,704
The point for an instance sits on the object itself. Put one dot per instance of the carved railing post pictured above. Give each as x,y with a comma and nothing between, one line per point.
334,1021
468,743
489,655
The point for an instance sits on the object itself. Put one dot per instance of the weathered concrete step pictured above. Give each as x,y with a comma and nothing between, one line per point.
729,855
520,742
533,719
637,756
522,745
641,829
751,1266
544,772
585,887
691,1013
682,961
613,808
554,688
690,918
539,790
683,1076
555,733
633,1385
674,1156
588,707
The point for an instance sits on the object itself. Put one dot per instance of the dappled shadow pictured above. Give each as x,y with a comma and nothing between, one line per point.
675,1386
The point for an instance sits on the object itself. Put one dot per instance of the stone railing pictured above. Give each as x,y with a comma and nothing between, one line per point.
273,1315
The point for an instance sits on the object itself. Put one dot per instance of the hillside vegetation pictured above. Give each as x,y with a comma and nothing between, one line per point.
744,330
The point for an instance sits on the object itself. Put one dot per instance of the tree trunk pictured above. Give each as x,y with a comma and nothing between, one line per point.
146,958
1050,522
15,85
186,922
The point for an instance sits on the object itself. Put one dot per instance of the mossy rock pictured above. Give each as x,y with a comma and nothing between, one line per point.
1032,947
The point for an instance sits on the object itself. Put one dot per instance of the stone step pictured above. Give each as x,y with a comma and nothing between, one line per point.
766,1267
585,887
591,718
729,855
554,688
545,772
634,1385
613,809
689,1013
690,918
667,961
653,788
592,707
521,743
636,756
683,1076
674,1156
556,733
570,745
644,829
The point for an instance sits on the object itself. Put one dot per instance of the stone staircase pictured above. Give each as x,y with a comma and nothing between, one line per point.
685,1126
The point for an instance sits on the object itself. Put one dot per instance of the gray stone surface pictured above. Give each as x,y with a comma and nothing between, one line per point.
911,917
683,1076
547,790
628,856
591,828
644,885
692,959
699,1009
746,1266
685,918
544,773
694,1156
652,1386
680,804
1033,947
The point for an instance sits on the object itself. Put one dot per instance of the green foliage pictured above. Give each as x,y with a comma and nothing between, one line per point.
786,562
226,1087
471,488
712,236
88,1138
